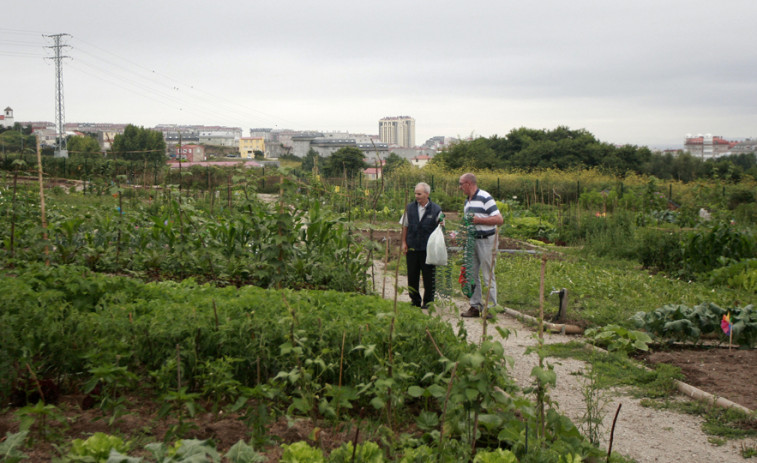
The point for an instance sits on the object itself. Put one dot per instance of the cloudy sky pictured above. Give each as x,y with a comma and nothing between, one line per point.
644,72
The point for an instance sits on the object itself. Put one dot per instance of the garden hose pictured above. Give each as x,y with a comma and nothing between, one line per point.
467,236
443,273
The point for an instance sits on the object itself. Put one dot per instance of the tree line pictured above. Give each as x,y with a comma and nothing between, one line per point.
562,148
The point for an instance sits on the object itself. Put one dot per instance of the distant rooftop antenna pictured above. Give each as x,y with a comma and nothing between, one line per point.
60,150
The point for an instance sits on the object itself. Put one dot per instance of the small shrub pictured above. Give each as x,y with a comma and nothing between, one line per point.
618,339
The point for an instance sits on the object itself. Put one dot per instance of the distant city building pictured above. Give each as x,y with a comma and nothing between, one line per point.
6,119
372,173
325,144
420,161
438,142
248,146
220,136
745,147
412,153
191,153
399,131
707,146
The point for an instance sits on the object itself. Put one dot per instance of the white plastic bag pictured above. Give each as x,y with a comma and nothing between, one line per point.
436,250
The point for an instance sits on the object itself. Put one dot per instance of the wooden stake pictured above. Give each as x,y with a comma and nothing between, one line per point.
612,433
341,359
541,297
42,200
386,264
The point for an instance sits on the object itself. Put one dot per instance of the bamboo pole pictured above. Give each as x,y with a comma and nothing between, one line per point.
42,201
541,297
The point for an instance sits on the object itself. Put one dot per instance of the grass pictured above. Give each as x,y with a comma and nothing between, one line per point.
719,422
600,290
616,369
656,388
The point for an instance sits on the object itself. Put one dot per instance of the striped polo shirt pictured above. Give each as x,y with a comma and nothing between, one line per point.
482,205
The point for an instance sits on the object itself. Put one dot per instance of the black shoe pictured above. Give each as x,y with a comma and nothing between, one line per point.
471,313
424,306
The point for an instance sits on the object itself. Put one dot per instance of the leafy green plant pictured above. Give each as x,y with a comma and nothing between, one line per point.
690,324
595,403
182,404
737,274
10,447
243,453
367,452
301,452
107,382
184,451
495,456
616,338
96,448
46,420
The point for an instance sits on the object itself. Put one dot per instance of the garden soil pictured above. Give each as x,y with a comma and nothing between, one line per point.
642,433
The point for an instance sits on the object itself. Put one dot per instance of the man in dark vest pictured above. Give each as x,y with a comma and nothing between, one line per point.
420,219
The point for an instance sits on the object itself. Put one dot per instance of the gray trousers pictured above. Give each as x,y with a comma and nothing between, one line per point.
483,264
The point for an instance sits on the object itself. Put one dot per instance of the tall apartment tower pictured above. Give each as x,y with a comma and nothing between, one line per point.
398,131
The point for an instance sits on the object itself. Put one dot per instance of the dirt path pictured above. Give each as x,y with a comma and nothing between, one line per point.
642,433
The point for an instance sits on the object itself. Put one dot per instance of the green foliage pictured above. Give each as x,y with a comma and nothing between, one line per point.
243,453
495,456
616,338
529,149
184,451
347,161
394,162
96,448
83,146
10,447
367,452
617,369
705,250
742,275
307,247
138,143
677,322
301,452
529,228
661,250
601,291
45,420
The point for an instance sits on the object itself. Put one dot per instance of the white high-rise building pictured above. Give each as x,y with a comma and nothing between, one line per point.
398,131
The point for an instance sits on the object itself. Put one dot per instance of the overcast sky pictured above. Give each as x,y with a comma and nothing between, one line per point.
640,72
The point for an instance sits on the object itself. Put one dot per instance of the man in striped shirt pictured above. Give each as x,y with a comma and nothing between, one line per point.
486,217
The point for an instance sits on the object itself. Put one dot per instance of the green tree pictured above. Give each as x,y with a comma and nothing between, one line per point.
394,162
14,141
475,154
84,146
138,143
311,160
345,161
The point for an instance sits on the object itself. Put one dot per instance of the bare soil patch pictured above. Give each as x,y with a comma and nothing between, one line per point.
717,370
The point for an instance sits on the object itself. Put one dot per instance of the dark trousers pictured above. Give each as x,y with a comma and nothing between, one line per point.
416,263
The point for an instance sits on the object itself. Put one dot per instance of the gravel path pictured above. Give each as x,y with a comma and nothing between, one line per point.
642,433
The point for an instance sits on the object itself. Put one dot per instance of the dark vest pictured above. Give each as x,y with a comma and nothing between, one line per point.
419,231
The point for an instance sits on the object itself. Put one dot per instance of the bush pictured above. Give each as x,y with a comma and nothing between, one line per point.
660,250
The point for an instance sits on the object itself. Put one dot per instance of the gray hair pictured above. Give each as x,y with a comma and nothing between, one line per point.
425,187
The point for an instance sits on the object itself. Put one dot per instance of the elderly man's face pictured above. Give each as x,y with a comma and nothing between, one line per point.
421,196
465,186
